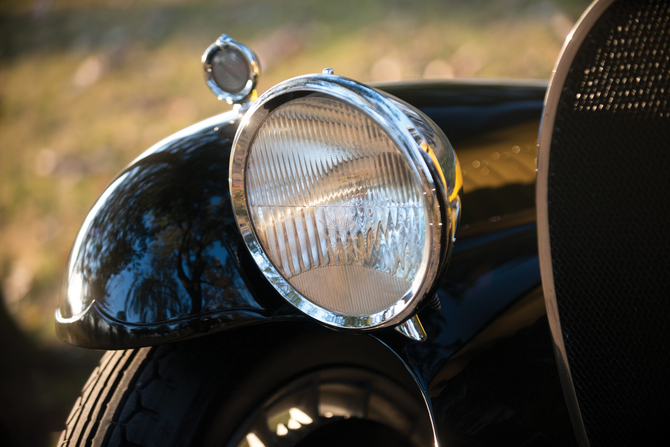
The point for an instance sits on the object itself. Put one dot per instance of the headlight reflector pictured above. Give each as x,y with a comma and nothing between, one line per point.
342,217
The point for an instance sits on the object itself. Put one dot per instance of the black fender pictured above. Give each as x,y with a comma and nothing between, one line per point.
160,258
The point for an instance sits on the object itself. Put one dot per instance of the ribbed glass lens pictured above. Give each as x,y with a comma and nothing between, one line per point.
336,207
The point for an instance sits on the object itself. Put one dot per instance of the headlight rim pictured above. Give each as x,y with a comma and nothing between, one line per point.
403,132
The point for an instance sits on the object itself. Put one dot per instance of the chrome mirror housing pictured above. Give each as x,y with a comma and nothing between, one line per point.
231,70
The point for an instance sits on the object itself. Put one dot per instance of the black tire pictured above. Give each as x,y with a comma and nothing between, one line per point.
203,391
136,397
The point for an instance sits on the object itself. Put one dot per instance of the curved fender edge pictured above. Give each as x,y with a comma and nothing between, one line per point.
159,256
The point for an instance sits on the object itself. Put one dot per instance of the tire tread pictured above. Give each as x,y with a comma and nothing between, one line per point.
100,397
139,397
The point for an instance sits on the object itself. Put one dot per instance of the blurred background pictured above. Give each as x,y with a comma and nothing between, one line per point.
86,86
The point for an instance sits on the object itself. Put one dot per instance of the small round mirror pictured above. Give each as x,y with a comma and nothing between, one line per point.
231,70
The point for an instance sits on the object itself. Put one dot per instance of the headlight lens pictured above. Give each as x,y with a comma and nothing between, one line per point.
335,206
340,217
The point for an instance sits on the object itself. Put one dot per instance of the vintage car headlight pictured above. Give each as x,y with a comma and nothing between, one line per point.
341,200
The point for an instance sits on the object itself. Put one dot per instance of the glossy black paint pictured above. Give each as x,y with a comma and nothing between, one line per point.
488,363
160,258
465,108
479,115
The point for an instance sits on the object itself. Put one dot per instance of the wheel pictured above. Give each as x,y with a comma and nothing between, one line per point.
280,384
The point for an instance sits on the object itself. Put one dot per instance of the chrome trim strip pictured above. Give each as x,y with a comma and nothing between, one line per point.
570,48
413,144
66,320
412,329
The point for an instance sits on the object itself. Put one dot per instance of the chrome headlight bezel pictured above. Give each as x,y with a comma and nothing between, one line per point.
407,128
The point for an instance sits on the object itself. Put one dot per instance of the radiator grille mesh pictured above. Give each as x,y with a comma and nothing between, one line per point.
609,204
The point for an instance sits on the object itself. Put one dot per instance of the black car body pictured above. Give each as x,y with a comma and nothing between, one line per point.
160,261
